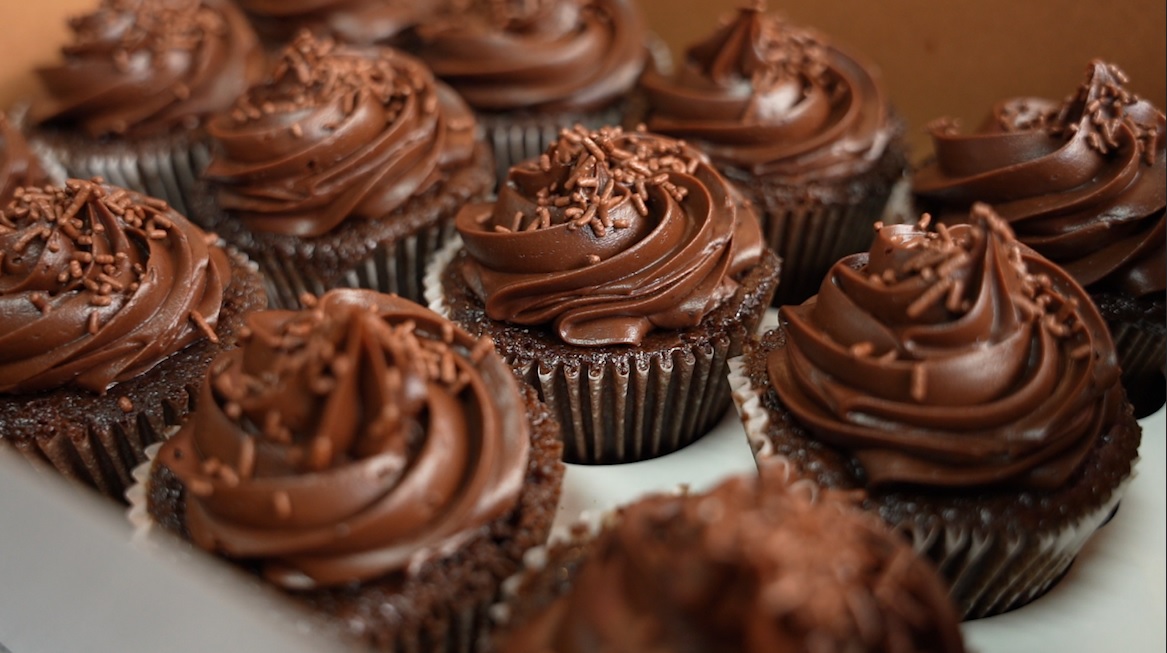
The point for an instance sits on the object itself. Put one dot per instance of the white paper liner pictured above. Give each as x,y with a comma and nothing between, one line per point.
987,574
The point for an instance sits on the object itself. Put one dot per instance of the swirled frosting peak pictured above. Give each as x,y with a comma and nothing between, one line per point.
548,55
18,165
1082,182
335,132
350,440
768,97
751,566
149,67
955,358
98,285
609,235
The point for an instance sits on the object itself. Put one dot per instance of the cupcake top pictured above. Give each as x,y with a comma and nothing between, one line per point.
353,439
1083,182
335,132
18,165
99,284
770,98
541,55
752,565
351,21
141,68
950,359
608,236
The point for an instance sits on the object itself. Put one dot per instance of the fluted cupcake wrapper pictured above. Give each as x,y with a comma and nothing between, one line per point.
988,572
166,167
630,404
518,137
393,266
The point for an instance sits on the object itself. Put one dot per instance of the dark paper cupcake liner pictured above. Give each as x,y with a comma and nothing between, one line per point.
517,137
624,404
166,167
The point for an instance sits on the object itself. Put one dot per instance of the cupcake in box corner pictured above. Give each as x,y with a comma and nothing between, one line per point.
344,168
753,565
127,102
803,125
617,273
1083,182
373,462
530,69
969,387
111,307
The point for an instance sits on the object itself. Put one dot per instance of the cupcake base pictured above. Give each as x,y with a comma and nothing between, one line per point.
1140,340
811,224
440,606
388,255
99,439
619,404
997,549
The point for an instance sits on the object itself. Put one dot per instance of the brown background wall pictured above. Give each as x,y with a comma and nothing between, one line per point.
947,57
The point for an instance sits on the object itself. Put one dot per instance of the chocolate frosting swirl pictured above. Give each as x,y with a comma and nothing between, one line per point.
751,566
543,55
98,285
1081,182
150,67
773,99
351,21
608,236
18,165
955,359
350,440
336,132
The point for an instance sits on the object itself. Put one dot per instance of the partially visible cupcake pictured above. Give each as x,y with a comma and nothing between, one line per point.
753,565
19,166
617,273
969,387
111,308
1083,182
373,462
361,22
344,168
138,78
530,69
801,124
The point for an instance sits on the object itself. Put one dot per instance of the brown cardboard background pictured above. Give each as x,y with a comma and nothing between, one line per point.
951,57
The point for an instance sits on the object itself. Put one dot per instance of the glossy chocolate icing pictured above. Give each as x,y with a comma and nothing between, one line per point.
98,285
336,131
18,165
145,68
950,359
1083,182
353,439
546,55
752,565
770,98
607,236
352,21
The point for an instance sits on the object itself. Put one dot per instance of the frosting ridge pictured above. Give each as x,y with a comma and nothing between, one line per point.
18,165
955,358
608,236
1081,181
150,67
350,440
336,131
98,285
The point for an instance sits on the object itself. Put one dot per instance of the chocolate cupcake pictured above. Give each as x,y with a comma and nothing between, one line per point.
802,125
344,168
376,464
968,387
530,69
111,308
360,22
128,102
1084,183
19,166
752,565
617,273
